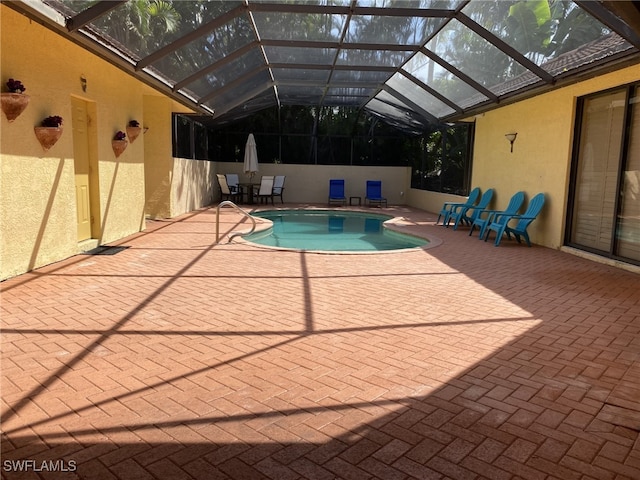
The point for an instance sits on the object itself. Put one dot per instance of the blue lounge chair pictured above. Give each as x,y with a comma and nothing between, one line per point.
460,213
447,206
512,209
501,226
374,193
336,191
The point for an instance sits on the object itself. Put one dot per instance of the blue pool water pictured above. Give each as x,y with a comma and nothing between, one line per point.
328,230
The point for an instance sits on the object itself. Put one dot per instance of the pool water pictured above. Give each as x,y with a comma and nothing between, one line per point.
328,230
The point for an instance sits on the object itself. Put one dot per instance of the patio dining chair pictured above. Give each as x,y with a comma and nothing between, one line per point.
234,182
278,186
523,221
512,209
226,192
336,191
265,192
445,211
374,193
460,213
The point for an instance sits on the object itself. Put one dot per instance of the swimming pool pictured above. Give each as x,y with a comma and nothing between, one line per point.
329,230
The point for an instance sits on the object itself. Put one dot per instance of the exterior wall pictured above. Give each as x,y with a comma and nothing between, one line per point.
173,186
541,158
193,185
157,156
310,183
38,220
431,201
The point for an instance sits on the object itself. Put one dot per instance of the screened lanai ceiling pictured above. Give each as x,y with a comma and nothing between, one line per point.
410,62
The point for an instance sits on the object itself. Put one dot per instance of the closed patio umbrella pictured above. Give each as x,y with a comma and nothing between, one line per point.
251,157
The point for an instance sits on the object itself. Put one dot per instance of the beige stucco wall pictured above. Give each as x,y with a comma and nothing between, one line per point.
158,160
193,185
430,201
38,204
310,183
541,158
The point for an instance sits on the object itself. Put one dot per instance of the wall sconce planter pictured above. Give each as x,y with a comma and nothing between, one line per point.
49,131
119,143
13,104
133,133
511,137
48,136
119,146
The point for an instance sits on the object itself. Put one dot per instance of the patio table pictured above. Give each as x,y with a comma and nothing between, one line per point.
249,187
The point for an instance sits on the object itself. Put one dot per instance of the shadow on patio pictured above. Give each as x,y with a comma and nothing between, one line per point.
177,358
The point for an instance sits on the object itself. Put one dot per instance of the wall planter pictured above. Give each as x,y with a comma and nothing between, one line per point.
48,136
133,132
49,131
119,146
13,104
119,143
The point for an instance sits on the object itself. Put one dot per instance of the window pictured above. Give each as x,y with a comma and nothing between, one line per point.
182,138
190,139
604,216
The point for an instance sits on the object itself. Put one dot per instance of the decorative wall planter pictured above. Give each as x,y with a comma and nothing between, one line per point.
13,104
119,146
133,133
47,136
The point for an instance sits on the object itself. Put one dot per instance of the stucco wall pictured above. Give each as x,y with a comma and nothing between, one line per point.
541,158
310,183
430,201
38,204
193,185
158,160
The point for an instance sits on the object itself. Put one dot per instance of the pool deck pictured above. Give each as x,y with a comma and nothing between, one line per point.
178,358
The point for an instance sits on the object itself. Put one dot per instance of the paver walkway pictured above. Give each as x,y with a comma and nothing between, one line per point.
178,358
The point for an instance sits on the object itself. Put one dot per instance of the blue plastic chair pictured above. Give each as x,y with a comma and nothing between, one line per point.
447,206
374,193
461,213
501,226
336,191
512,209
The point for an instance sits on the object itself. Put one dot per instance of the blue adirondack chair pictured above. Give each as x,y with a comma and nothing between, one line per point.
336,191
523,221
447,206
374,193
460,214
512,209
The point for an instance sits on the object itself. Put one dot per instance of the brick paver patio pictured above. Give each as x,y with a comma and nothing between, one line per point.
178,358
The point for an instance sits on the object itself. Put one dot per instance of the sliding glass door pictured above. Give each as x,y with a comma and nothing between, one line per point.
605,205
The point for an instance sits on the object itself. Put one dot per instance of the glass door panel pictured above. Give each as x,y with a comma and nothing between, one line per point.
598,167
628,231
